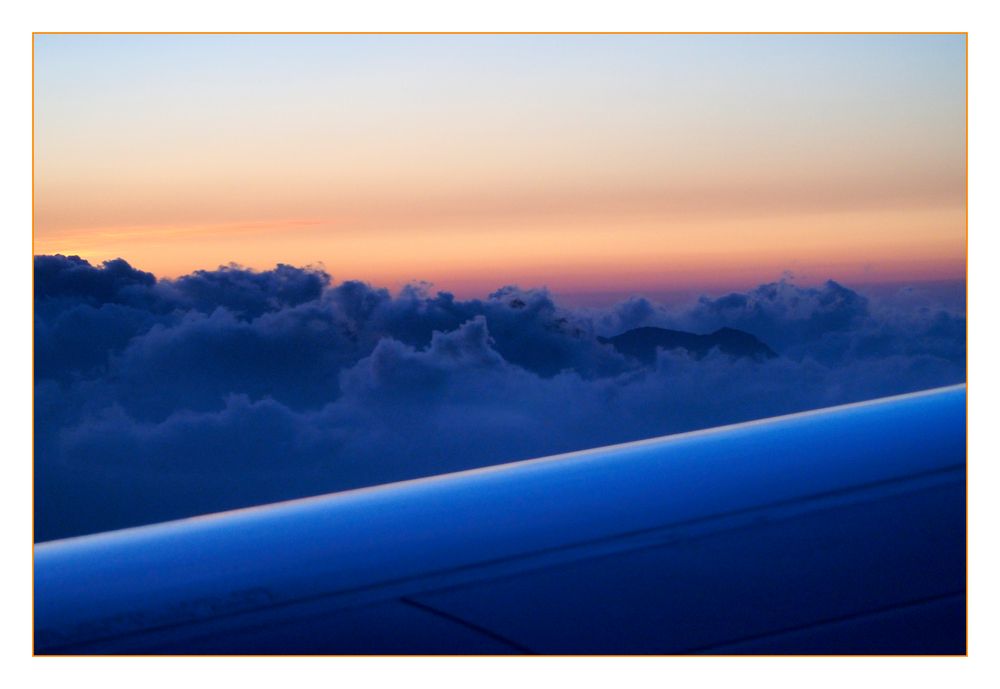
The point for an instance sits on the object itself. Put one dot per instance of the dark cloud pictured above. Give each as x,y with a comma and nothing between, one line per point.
248,293
157,399
74,279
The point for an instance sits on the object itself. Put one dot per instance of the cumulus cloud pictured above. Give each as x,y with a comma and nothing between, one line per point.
157,399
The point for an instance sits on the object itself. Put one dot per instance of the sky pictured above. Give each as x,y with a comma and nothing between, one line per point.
578,162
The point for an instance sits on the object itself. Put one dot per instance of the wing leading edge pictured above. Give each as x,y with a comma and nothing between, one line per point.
835,531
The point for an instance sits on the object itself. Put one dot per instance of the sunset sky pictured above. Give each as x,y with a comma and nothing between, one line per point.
585,163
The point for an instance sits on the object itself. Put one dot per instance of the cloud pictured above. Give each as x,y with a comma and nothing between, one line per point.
74,279
248,293
158,399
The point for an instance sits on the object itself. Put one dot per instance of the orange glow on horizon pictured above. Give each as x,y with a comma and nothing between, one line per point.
565,253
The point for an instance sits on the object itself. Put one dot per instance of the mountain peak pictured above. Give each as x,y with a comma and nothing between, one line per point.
642,343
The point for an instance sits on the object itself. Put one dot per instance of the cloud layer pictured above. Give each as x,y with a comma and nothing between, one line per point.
157,399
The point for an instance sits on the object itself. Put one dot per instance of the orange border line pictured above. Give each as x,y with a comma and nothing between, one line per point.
503,33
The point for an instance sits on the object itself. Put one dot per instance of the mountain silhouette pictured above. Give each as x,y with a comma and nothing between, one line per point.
642,343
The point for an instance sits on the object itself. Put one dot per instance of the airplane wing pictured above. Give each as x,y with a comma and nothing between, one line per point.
834,531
